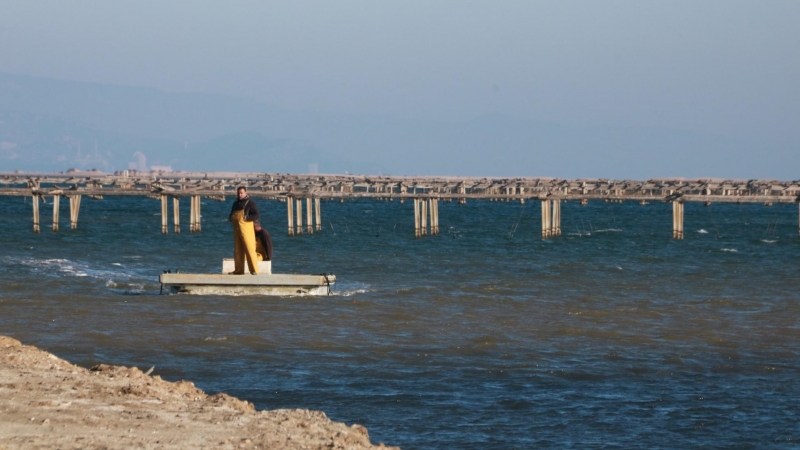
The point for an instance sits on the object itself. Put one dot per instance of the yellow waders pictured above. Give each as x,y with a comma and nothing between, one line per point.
244,239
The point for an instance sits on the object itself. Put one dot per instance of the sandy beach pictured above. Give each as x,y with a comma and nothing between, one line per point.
49,403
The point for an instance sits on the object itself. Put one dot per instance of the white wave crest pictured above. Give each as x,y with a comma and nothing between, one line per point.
348,293
66,267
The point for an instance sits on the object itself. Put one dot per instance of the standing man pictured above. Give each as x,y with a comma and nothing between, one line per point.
243,213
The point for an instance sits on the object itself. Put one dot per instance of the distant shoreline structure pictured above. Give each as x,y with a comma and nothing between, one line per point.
166,171
425,192
280,186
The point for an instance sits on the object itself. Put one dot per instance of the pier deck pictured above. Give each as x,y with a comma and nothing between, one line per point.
426,192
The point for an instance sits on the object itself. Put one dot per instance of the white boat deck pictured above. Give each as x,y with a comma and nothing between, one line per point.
261,284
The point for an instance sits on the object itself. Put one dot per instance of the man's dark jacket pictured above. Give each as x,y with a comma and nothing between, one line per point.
250,209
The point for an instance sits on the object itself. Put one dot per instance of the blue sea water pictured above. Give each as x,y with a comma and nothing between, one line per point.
612,335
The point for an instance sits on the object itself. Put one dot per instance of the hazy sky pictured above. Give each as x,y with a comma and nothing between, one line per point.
725,67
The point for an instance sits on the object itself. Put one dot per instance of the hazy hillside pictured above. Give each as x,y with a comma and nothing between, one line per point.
54,125
51,125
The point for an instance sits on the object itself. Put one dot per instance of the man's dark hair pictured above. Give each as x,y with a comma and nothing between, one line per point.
241,188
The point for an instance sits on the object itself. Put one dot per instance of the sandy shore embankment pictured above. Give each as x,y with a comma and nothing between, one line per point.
48,403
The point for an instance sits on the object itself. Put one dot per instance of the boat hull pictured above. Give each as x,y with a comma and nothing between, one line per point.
266,284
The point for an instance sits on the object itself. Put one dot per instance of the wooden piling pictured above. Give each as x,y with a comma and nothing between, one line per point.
674,220
434,216
195,220
299,224
431,217
309,213
555,229
163,214
74,211
176,214
546,221
424,216
437,216
35,203
191,214
677,220
544,215
198,220
290,216
318,216
559,217
56,207
416,218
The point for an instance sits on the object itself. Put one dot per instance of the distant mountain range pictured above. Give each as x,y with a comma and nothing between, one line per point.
54,125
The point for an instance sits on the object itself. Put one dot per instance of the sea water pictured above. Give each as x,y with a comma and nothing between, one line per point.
612,335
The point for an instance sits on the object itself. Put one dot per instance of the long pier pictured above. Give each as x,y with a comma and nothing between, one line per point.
426,192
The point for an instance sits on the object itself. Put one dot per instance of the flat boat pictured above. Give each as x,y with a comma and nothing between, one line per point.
265,283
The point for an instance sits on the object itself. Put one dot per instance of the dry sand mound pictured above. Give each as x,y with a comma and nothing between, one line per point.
48,403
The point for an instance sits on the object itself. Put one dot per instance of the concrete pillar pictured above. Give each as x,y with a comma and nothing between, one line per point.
176,214
56,207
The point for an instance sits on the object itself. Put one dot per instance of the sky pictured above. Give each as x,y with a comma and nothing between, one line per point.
729,68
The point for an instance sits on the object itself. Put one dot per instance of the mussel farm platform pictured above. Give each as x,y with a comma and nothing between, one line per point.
304,192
